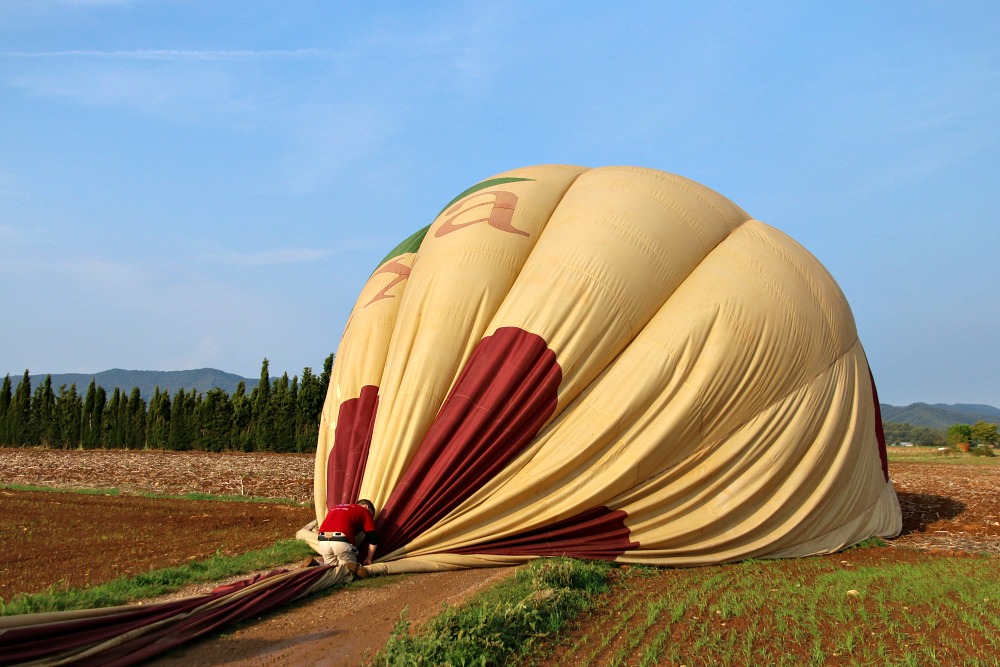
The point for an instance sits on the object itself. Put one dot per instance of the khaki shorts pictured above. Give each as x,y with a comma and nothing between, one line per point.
337,553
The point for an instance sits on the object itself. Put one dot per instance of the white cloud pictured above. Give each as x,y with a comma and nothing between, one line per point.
171,54
86,3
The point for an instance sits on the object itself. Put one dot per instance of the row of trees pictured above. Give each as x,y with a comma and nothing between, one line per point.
924,436
279,415
980,433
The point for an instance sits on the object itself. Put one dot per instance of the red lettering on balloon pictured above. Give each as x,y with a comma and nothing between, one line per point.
402,272
499,215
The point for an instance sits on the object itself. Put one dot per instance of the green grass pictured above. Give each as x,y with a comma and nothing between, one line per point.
931,455
181,496
125,590
503,621
812,611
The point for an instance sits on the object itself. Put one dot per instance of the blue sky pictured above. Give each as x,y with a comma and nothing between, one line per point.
188,184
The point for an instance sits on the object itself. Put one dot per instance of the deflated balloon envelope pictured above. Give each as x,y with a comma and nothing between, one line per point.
613,363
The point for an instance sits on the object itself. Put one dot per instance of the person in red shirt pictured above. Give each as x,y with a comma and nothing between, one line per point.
339,530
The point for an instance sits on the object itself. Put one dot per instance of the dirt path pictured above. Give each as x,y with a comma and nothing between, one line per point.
339,627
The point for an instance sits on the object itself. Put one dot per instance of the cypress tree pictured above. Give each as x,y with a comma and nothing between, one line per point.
242,419
178,438
291,414
90,435
194,408
192,405
158,423
124,427
69,410
5,400
324,379
262,425
20,413
136,418
307,410
43,413
216,419
100,401
282,412
109,422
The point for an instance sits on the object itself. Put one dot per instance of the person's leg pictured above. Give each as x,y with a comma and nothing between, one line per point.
347,555
327,551
344,553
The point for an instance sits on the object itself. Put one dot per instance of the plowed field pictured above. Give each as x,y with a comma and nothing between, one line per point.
947,509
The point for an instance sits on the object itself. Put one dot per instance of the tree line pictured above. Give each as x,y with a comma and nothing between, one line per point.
278,415
980,433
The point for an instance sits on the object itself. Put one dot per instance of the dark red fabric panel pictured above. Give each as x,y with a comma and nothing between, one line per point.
35,642
879,429
32,642
346,464
501,399
597,534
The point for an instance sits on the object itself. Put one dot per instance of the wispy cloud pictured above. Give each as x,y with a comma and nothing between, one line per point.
103,2
174,54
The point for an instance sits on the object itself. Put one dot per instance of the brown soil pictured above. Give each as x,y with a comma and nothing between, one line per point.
255,475
950,509
72,540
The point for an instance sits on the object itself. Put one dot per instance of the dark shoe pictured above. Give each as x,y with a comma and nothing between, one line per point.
358,571
310,562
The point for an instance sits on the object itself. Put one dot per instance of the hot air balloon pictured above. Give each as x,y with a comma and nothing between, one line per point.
612,363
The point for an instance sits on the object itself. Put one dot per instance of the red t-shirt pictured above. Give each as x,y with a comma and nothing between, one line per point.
347,519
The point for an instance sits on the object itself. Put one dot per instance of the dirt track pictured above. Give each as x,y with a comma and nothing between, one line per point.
335,628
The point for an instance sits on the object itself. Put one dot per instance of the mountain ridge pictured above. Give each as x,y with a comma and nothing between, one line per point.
939,415
198,379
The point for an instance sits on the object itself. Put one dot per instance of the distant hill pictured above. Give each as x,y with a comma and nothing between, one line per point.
939,415
202,379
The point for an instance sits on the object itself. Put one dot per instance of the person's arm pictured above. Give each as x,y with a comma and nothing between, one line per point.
371,536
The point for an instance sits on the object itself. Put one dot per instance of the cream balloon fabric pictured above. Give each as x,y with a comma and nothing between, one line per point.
613,363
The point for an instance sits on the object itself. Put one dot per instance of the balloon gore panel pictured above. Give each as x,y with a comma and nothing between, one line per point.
505,394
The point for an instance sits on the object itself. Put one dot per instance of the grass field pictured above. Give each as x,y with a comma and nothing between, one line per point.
934,455
846,609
